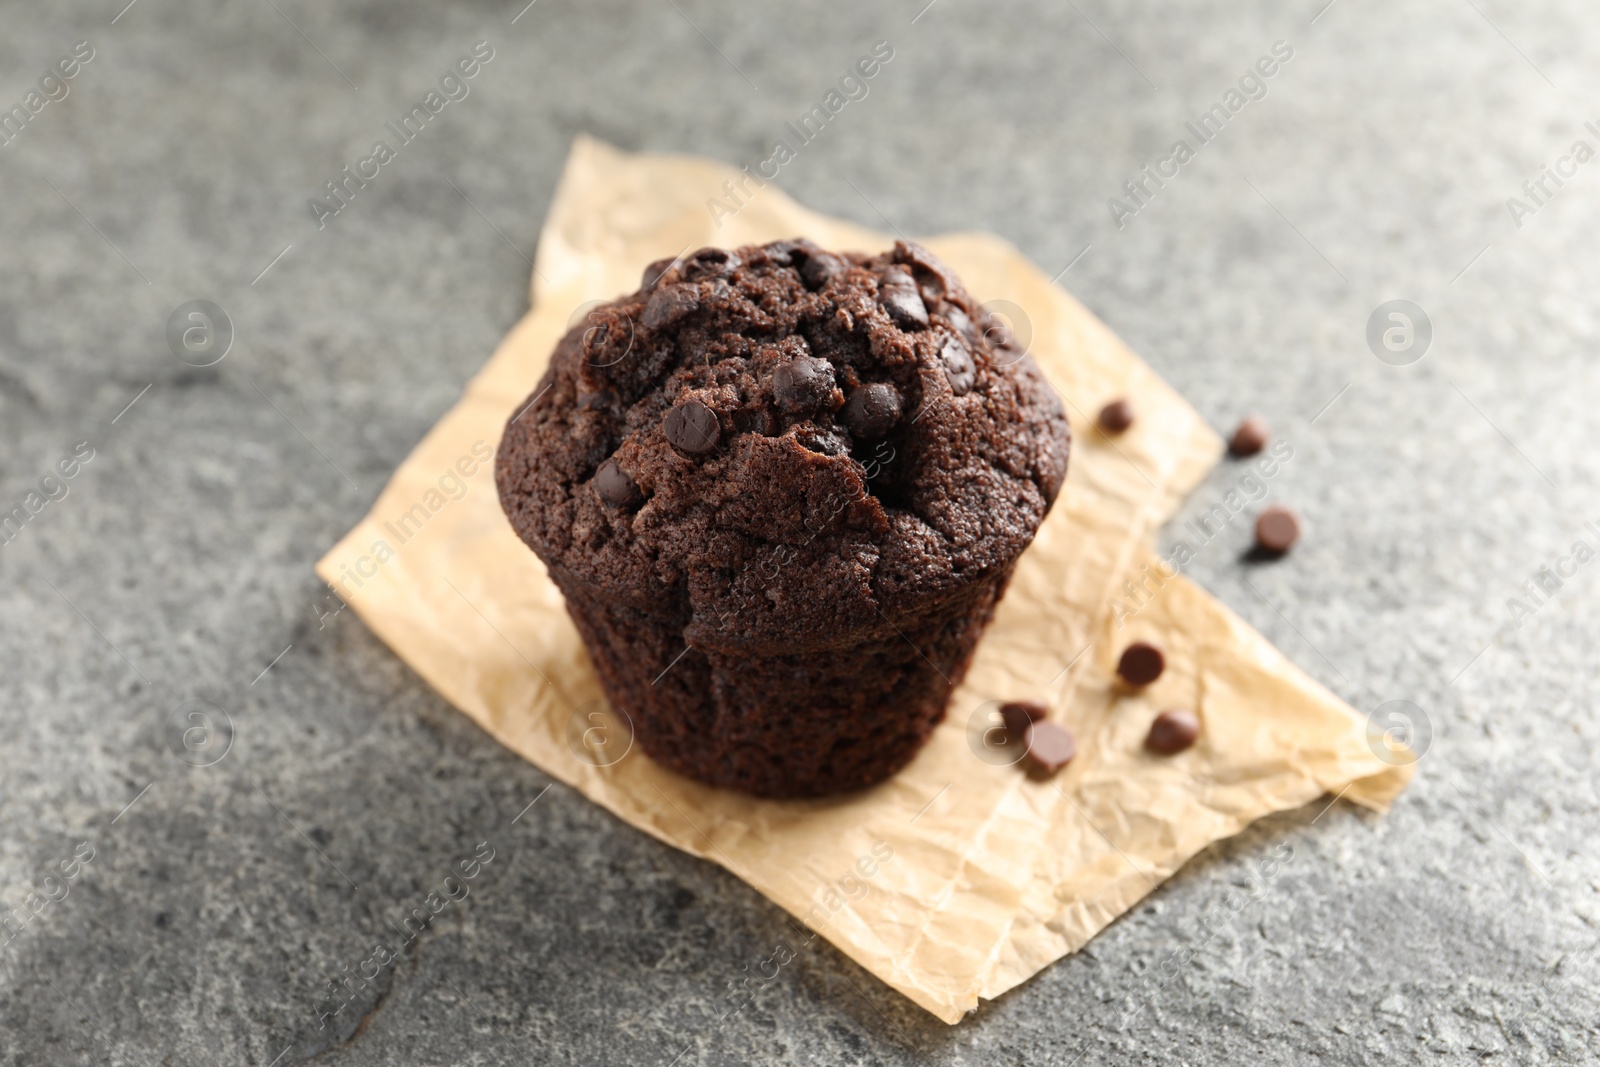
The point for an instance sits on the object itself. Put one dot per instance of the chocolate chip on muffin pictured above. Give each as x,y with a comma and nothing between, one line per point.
959,369
820,268
872,410
786,609
709,263
616,487
804,385
691,427
899,297
654,273
669,304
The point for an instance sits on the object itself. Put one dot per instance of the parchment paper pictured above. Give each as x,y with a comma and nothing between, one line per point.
960,878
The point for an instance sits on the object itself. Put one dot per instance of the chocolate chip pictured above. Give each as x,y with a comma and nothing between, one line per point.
1173,731
959,322
822,442
616,487
1251,437
1141,663
1050,748
803,384
1116,416
898,295
709,263
1018,715
654,273
668,305
958,366
872,411
789,253
927,264
691,427
1277,529
819,268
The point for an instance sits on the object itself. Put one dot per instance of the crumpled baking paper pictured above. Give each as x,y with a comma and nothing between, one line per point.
961,877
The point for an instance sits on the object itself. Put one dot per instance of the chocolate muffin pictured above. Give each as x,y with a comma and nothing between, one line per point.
782,490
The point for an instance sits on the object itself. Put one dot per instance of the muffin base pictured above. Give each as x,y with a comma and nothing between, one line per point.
836,717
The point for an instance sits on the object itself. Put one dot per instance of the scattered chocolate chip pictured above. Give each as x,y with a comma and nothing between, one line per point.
1018,715
709,263
819,268
872,411
654,273
1173,731
1277,529
616,487
1050,748
691,427
1141,663
899,297
1251,437
958,366
1116,416
595,401
668,305
803,384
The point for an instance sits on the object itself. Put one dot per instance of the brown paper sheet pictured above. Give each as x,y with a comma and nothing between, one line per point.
958,879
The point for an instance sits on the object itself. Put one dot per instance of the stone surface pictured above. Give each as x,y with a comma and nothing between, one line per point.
178,566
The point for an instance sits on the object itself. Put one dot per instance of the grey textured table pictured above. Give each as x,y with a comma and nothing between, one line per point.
220,899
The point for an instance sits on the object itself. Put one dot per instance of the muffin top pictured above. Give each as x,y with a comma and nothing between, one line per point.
784,444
